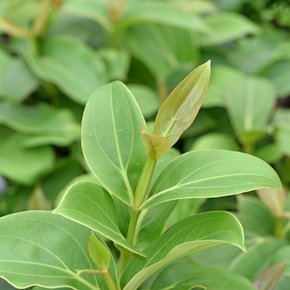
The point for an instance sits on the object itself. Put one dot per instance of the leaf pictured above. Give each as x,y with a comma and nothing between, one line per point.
36,249
211,173
111,139
96,210
99,253
178,111
281,123
190,235
45,124
187,272
5,62
14,158
226,27
160,12
18,81
269,279
70,65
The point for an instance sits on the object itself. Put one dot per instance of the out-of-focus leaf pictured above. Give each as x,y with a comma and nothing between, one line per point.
227,173
282,136
19,82
5,62
146,98
70,65
270,153
187,272
226,27
195,7
188,236
24,165
215,141
178,111
269,279
38,200
43,123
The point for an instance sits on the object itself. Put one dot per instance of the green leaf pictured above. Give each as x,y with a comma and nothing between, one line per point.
111,139
18,81
95,211
211,173
160,12
281,122
188,236
15,158
5,62
70,65
178,111
190,273
225,27
43,123
38,248
98,252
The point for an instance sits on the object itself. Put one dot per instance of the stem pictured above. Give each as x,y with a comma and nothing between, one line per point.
279,227
109,280
42,17
132,226
144,181
12,28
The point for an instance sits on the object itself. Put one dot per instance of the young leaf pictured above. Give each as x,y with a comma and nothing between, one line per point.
211,173
111,139
39,248
95,211
188,236
98,252
178,111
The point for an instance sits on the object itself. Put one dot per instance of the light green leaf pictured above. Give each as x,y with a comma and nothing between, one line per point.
178,111
282,254
5,62
190,235
96,211
38,248
111,139
211,173
70,65
43,123
190,273
19,82
92,9
146,98
98,252
160,12
195,7
225,27
15,158
281,122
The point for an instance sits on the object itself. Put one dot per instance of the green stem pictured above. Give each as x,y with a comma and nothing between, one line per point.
144,181
109,280
279,227
132,226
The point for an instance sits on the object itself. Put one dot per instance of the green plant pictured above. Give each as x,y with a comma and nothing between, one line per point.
111,232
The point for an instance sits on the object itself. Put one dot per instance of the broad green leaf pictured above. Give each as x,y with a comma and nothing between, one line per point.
188,236
43,123
190,273
178,111
282,254
98,252
256,218
19,82
195,7
257,258
70,65
146,98
111,139
271,153
211,173
160,12
215,141
24,165
39,248
250,104
92,9
95,211
269,279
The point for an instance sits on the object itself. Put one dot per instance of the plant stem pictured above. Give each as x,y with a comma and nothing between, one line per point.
132,226
279,227
144,181
109,280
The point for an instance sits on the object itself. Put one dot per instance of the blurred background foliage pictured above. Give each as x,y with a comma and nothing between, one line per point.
55,53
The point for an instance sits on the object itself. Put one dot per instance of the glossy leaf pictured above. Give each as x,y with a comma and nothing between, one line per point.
187,272
14,158
95,211
211,173
43,123
111,139
178,111
70,65
188,236
160,12
34,251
